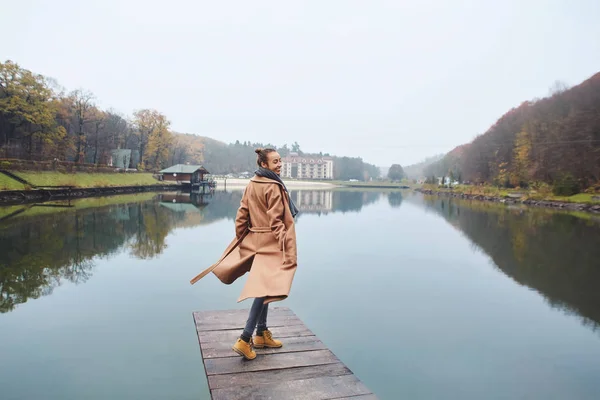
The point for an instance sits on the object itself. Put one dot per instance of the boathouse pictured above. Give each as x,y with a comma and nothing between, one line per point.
184,173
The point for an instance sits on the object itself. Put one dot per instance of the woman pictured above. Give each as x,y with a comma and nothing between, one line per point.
265,246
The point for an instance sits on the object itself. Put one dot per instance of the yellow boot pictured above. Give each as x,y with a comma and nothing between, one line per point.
244,349
266,340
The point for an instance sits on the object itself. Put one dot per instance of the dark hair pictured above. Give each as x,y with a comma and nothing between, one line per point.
263,155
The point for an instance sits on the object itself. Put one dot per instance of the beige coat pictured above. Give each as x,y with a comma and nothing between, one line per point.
265,244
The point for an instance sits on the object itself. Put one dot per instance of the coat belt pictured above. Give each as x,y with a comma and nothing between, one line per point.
260,229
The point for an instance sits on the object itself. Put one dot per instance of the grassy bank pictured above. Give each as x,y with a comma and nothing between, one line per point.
7,183
542,194
78,179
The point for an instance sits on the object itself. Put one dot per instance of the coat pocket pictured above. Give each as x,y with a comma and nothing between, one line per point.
284,239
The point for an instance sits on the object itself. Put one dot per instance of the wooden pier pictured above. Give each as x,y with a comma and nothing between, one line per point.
302,369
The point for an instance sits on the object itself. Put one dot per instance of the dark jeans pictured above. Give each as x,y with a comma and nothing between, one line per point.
257,318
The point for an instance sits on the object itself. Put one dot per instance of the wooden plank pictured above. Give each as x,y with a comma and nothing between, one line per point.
232,335
267,362
237,323
322,388
290,345
302,369
278,375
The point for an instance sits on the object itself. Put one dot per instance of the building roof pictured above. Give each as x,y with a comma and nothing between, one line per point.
306,159
183,169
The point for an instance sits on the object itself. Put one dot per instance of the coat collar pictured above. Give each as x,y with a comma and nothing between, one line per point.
262,179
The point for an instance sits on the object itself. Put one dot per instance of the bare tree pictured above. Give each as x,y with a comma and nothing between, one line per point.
557,87
82,103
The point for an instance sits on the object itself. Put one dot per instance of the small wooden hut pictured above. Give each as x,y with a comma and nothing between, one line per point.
184,173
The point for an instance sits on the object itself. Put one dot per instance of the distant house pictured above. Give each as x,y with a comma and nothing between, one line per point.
184,173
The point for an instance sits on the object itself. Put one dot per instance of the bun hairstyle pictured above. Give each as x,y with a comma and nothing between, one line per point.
262,155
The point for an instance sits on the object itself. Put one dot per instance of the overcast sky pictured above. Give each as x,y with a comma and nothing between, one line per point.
390,81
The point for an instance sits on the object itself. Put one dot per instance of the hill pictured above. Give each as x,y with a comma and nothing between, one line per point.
553,140
417,171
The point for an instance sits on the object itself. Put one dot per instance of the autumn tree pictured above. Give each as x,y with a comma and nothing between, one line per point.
187,147
143,121
100,139
117,129
27,111
520,167
160,141
83,108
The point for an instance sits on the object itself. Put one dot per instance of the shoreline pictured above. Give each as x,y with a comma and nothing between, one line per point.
241,183
561,205
315,185
13,197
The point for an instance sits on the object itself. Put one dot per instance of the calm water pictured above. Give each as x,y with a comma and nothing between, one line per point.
422,298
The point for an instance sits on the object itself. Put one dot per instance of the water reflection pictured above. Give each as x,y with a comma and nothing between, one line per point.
557,254
395,199
322,202
42,246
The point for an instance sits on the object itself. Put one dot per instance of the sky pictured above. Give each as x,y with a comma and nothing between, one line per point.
388,81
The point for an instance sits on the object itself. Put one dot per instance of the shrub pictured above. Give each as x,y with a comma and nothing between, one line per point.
566,185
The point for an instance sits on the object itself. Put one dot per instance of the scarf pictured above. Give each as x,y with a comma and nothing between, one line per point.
267,173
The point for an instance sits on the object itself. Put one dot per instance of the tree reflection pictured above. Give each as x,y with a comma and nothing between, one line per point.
554,253
151,230
395,199
353,201
39,250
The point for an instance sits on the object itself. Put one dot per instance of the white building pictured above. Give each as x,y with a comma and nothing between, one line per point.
303,167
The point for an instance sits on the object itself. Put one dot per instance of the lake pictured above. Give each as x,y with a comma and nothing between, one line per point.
421,297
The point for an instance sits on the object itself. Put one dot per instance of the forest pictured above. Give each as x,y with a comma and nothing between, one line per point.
222,158
41,121
554,141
